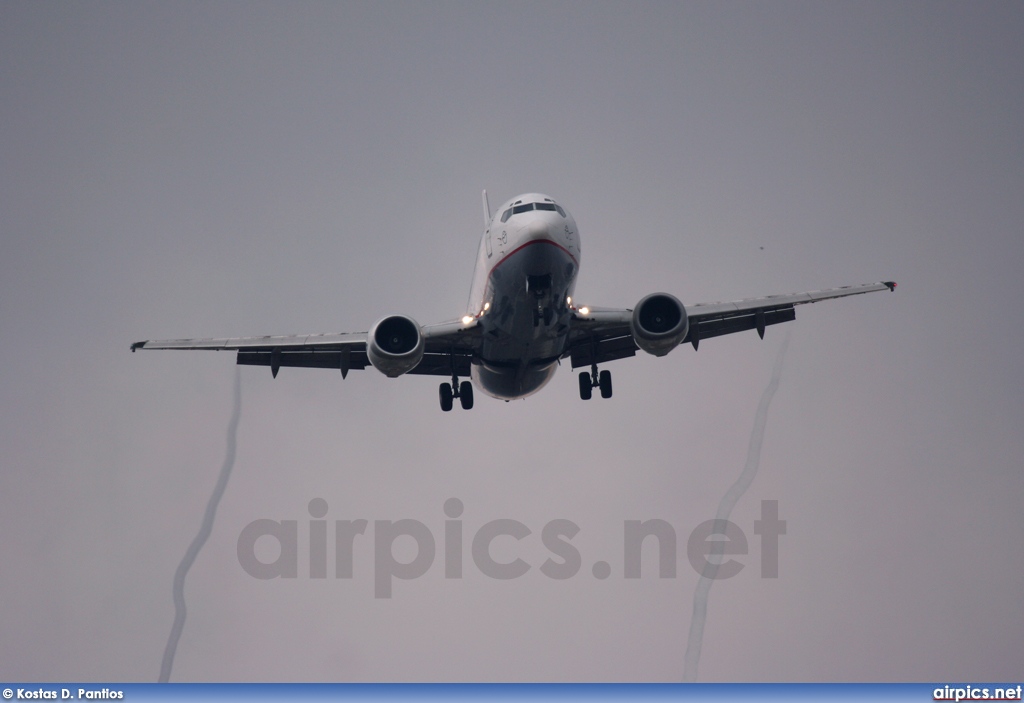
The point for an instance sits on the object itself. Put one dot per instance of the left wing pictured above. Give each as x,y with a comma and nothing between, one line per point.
605,334
448,347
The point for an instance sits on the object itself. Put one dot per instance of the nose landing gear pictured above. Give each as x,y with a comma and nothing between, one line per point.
542,313
540,288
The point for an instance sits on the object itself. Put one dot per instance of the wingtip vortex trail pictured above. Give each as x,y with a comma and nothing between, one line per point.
736,490
205,528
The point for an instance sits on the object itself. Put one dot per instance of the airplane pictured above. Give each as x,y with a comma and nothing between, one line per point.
522,320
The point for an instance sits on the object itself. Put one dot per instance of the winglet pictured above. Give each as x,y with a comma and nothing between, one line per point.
891,285
138,345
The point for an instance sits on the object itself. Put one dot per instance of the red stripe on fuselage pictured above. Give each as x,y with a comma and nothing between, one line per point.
531,243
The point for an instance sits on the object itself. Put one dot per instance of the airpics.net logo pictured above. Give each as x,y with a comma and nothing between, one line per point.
707,547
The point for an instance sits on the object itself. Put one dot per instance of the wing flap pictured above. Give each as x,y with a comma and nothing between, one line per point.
603,350
430,365
303,359
705,328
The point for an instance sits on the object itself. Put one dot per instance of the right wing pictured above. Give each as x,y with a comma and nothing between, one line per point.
605,334
448,347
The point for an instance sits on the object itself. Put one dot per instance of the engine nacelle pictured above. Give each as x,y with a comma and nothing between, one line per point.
659,323
395,345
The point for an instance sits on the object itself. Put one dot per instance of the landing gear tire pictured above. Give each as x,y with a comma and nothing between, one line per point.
586,387
445,394
606,384
466,395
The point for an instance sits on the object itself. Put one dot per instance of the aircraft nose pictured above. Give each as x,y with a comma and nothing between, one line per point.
538,229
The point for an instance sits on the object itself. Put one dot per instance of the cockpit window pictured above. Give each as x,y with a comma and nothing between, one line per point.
519,208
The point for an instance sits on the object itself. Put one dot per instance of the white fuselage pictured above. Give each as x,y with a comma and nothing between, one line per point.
521,295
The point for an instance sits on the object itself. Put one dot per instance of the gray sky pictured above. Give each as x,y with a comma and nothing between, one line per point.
184,169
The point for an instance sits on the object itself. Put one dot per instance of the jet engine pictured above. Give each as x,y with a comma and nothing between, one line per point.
659,323
395,345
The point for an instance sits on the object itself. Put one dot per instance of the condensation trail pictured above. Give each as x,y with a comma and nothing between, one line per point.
200,539
725,506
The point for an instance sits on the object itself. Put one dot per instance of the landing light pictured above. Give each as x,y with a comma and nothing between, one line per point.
568,301
487,306
467,319
584,311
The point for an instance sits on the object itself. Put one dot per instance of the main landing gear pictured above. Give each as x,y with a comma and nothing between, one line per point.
449,391
592,380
